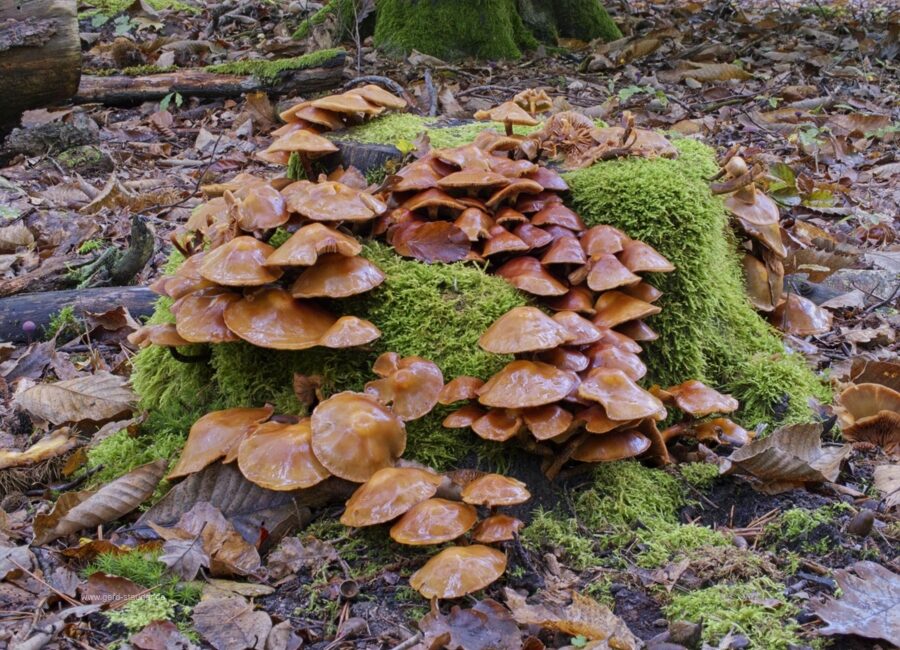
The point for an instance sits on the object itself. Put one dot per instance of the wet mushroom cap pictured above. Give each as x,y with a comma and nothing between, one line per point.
165,335
331,201
497,528
607,272
527,273
378,96
458,571
463,417
303,141
698,399
261,208
315,115
354,436
433,521
495,490
337,276
596,421
273,319
722,430
581,330
615,445
389,493
279,456
459,389
433,198
523,329
304,246
349,332
507,112
603,239
200,316
473,179
497,425
239,263
800,316
412,389
640,257
215,435
620,396
521,384
612,356
547,421
614,308
865,400
347,103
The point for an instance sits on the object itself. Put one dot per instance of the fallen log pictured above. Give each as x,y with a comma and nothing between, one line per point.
120,90
39,308
40,55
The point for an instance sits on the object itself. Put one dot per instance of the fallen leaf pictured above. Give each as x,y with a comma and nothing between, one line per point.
14,237
105,589
887,481
94,397
293,555
231,623
869,371
160,635
56,444
487,626
869,605
791,457
76,511
13,559
218,588
184,557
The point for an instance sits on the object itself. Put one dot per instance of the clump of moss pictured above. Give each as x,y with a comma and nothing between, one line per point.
584,20
707,328
798,527
268,70
113,7
90,245
757,609
144,569
141,70
700,475
140,612
451,29
122,452
64,324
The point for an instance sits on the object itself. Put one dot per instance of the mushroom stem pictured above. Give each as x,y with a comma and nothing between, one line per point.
509,127
563,456
307,166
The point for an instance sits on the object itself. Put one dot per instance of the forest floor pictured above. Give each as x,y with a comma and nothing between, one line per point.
820,109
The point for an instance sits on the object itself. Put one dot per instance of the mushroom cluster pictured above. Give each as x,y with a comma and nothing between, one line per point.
757,217
869,411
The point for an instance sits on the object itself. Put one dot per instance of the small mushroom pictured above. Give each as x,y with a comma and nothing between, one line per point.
200,316
581,330
615,445
354,436
637,330
494,490
497,425
306,144
614,308
697,399
639,257
605,355
279,457
603,240
800,316
347,103
565,359
305,112
523,329
459,389
349,332
532,235
412,389
534,100
332,201
389,493
512,191
612,337
577,299
510,114
527,273
500,241
475,222
643,291
433,521
239,263
261,207
458,571
433,201
337,276
497,528
558,215
522,384
165,335
378,96
273,319
607,272
722,430
620,396
314,239
473,181
596,420
871,413
564,250
463,418
548,421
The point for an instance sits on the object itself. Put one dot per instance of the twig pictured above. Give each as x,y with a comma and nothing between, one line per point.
56,591
409,643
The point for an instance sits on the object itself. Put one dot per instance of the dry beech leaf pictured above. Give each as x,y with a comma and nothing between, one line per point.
76,511
791,457
293,554
869,605
94,397
160,635
887,481
706,72
231,623
584,617
14,237
105,589
218,588
184,557
56,444
11,556
487,626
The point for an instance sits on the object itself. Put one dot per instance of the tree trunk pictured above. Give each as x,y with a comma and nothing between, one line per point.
40,55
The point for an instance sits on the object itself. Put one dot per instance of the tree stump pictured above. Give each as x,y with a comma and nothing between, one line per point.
40,55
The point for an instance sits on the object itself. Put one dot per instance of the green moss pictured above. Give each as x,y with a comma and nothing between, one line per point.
796,525
344,13
267,70
452,29
757,609
662,544
140,612
585,20
700,475
122,452
90,245
707,328
141,70
64,324
113,7
145,569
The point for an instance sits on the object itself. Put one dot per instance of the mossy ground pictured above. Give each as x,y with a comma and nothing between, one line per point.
707,328
343,12
268,70
113,7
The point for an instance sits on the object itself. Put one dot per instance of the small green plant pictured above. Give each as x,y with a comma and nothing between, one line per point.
64,324
140,612
90,245
700,475
144,569
168,99
797,524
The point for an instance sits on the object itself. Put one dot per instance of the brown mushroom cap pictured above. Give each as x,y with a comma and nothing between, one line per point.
523,329
530,203
354,436
260,208
566,359
502,241
527,273
532,235
417,176
761,212
304,246
215,435
497,528
800,316
758,285
497,425
615,445
640,257
347,103
511,168
314,115
337,276
864,400
607,272
769,236
547,421
643,291
459,389
303,141
527,383
475,222
273,319
200,316
473,179
433,521
596,420
577,299
459,570
378,96
389,493
581,330
612,337
698,399
557,214
495,490
605,355
512,191
463,417
507,112
279,456
349,332
239,263
165,335
433,199
603,240
412,389
620,396
331,201
186,279
722,430
637,330
565,250
614,308
548,179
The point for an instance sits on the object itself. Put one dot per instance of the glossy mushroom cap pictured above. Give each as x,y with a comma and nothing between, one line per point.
331,201
354,436
185,280
463,417
607,272
458,571
262,207
522,384
412,388
433,521
329,120
595,420
497,425
200,316
433,199
459,389
581,330
495,490
527,273
614,308
239,263
722,430
273,319
523,329
497,528
337,276
389,493
620,396
349,332
304,246
639,257
279,456
871,413
165,335
473,180
615,445
547,421
698,399
303,141
347,103
564,250
800,316
378,96
603,239
507,112
215,435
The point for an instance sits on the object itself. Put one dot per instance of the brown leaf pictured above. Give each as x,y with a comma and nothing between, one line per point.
231,623
56,444
105,589
887,481
14,237
869,605
94,397
487,626
293,554
184,557
76,511
791,457
431,241
160,635
13,559
708,72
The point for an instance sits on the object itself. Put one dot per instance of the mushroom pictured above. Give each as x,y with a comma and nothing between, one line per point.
475,222
433,521
389,493
763,290
605,355
378,96
637,330
603,239
472,181
534,100
349,332
165,335
306,112
521,384
523,329
261,207
558,214
417,176
566,359
800,316
185,280
564,250
432,200
581,330
463,417
532,235
527,273
620,396
510,114
354,436
412,389
279,456
512,191
272,319
239,263
871,413
337,276
697,399
614,308
331,201
497,425
640,257
547,421
722,430
617,339
494,490
497,528
615,445
643,291
596,420
459,389
314,239
577,299
607,272
458,571
306,144
215,436
502,241
199,316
